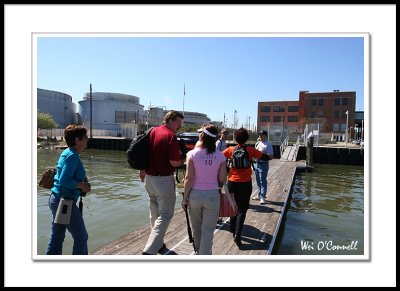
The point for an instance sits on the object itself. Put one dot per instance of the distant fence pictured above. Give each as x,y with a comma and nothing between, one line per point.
279,132
125,131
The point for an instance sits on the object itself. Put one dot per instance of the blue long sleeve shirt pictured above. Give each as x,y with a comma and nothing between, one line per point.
70,172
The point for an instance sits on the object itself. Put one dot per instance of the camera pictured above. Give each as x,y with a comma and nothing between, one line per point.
63,214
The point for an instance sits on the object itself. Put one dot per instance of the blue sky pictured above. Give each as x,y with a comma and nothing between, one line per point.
221,73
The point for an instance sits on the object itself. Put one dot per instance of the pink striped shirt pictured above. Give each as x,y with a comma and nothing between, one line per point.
206,168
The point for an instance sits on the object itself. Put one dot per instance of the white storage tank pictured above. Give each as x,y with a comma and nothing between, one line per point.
59,105
110,110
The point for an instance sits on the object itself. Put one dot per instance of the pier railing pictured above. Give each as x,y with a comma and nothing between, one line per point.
284,145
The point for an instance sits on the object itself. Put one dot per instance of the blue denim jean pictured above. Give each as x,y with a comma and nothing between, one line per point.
261,178
76,227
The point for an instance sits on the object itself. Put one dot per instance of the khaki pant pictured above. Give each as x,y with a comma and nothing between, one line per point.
204,213
161,191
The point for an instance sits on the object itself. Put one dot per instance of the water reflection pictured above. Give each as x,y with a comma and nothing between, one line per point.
117,204
325,204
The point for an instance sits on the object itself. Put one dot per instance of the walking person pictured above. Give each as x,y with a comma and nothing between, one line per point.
165,156
262,167
221,145
205,174
221,142
69,181
239,179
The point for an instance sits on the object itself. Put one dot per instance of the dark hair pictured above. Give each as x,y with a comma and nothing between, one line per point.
241,135
72,131
209,141
172,115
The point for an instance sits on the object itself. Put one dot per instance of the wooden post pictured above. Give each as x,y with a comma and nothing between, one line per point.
91,131
309,152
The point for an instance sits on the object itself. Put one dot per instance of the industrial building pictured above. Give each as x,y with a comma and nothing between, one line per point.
59,105
327,112
113,114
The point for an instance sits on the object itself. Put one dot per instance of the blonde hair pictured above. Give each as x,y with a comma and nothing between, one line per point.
172,115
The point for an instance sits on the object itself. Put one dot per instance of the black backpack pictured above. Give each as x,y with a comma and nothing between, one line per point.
138,151
240,158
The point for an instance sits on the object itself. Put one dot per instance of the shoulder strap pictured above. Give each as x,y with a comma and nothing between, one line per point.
251,160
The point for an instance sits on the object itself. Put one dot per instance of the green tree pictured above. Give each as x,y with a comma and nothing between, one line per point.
45,121
188,128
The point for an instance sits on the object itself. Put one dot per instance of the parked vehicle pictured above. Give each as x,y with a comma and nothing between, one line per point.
190,139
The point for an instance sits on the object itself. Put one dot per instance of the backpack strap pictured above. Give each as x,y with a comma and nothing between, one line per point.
251,160
229,164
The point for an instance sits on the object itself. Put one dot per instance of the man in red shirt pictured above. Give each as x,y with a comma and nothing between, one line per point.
165,155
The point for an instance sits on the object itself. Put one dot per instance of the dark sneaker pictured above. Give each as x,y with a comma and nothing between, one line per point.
238,241
162,249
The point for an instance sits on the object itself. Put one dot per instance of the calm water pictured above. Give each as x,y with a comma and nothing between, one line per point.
117,204
325,213
326,205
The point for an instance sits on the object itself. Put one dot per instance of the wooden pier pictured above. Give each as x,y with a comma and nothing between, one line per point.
259,232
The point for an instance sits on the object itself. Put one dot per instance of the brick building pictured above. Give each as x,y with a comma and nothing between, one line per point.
328,109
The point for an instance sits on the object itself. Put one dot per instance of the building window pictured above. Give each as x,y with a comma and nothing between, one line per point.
277,118
265,108
343,127
293,119
312,114
320,102
345,101
265,118
293,108
313,102
337,101
344,115
336,114
320,114
279,109
336,127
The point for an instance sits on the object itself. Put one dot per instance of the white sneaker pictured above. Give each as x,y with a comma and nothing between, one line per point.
256,198
262,201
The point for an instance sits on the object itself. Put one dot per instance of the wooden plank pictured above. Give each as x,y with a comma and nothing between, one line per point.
259,231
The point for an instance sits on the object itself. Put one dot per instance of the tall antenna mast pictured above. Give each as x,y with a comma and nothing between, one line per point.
184,93
91,131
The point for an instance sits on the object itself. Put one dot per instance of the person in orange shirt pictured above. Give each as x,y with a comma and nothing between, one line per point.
239,179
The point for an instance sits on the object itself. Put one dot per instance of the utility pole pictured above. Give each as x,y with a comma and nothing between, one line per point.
347,125
184,93
65,110
224,121
249,124
235,121
362,130
90,95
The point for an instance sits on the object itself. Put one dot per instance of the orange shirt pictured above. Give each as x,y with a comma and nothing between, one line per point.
241,175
